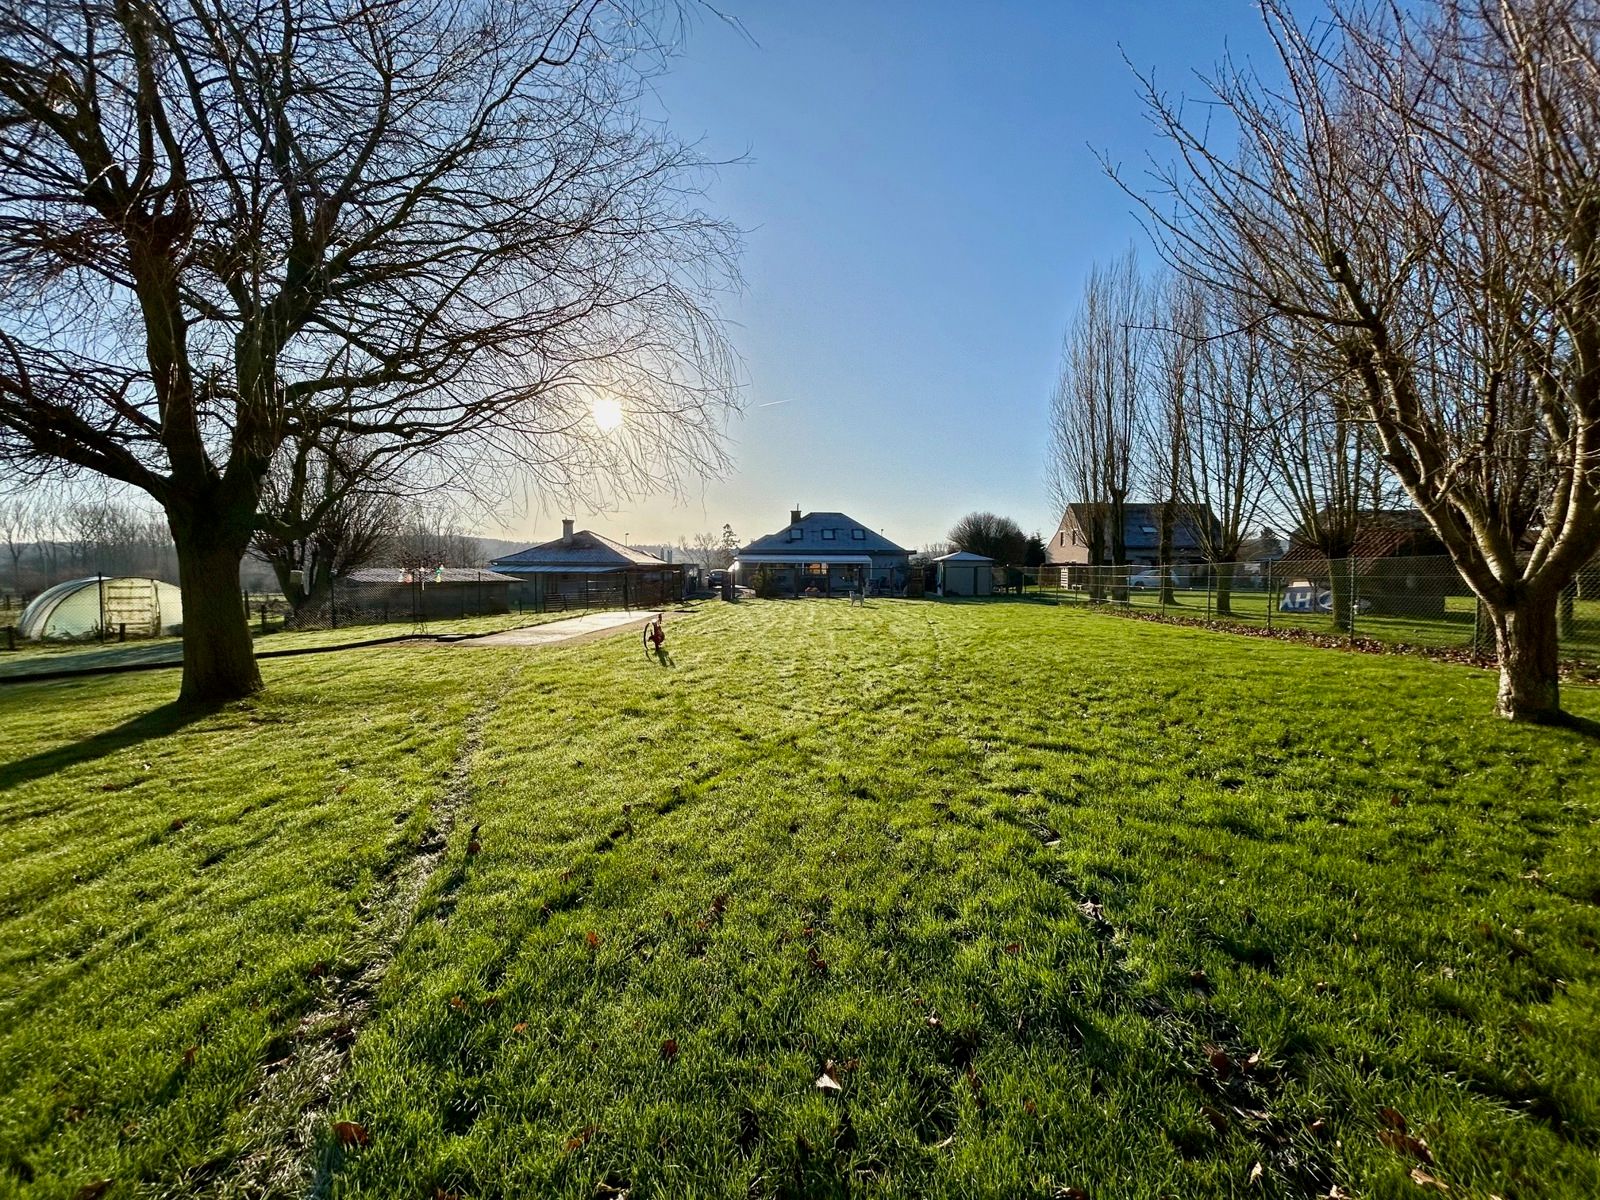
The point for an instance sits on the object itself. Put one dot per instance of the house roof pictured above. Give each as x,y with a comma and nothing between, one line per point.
1141,524
586,550
1383,533
370,576
964,556
831,558
820,532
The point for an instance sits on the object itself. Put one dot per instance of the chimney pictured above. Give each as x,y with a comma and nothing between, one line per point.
794,516
566,531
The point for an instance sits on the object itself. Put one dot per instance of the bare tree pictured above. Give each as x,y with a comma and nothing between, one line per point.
322,519
1227,436
1093,411
1327,473
992,536
1418,204
1175,336
443,231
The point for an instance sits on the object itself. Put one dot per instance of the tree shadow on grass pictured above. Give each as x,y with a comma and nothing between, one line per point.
1586,726
158,722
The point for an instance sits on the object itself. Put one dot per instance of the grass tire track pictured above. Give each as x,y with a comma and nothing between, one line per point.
286,1150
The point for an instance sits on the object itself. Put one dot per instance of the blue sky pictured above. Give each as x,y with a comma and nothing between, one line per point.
921,201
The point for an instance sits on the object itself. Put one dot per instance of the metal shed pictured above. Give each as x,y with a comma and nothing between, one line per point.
965,574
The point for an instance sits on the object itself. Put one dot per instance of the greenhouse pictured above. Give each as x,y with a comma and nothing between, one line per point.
102,606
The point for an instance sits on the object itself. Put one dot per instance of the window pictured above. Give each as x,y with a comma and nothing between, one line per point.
827,535
796,533
859,535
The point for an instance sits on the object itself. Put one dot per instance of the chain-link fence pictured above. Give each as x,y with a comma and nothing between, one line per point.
1412,601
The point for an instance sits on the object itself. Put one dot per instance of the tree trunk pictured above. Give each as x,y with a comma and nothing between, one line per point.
1339,586
1529,649
218,658
1224,574
1164,553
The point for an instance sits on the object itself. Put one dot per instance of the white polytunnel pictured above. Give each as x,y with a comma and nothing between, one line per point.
86,607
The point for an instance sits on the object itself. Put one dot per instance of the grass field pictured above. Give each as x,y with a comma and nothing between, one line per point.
915,899
33,657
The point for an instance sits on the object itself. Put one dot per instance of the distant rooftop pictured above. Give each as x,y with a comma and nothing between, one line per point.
821,533
584,549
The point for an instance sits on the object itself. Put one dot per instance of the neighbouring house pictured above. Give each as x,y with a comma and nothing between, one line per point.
965,574
1401,567
826,553
1141,533
420,593
583,569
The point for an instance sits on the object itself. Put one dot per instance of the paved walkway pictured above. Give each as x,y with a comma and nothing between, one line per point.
561,631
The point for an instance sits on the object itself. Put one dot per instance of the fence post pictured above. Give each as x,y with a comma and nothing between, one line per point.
1355,600
1269,593
1208,590
333,603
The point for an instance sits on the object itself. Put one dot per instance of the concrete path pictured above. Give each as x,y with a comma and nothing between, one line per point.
561,631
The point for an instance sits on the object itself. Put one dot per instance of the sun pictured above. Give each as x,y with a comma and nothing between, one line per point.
607,413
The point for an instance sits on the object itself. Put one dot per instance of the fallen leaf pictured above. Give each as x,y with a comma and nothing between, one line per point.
1029,1107
1013,948
1422,1179
1255,1174
946,1144
1318,1128
1392,1119
474,847
93,1191
826,1082
1406,1144
319,971
818,963
457,1003
933,1020
1251,1063
1220,1062
849,1064
520,1027
1218,1118
582,1138
593,939
1200,980
669,1049
177,824
188,1055
1070,1193
350,1134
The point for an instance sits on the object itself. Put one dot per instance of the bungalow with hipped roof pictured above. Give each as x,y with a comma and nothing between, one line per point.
823,553
583,569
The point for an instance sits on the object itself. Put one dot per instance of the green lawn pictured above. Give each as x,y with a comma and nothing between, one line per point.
1058,901
1454,628
34,657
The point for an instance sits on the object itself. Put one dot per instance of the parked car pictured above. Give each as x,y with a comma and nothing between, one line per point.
1150,581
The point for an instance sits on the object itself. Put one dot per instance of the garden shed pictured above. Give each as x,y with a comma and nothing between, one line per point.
965,574
103,606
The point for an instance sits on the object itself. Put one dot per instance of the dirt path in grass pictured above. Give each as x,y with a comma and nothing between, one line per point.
285,1113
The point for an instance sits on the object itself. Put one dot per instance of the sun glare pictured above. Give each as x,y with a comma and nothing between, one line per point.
608,413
